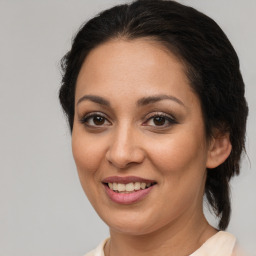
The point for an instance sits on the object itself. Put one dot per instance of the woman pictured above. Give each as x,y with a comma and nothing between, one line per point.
155,102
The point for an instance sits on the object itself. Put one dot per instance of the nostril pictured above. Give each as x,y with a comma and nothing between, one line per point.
125,157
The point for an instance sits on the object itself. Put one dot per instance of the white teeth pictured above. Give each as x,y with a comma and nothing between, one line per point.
120,187
137,185
114,186
110,185
143,185
130,187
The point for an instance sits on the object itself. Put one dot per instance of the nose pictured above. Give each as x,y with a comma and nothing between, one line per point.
125,148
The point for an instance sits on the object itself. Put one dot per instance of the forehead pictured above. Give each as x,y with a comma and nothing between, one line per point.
140,66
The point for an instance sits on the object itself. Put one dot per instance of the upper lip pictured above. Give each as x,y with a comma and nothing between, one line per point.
126,180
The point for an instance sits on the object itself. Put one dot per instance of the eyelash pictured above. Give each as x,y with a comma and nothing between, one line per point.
85,119
169,118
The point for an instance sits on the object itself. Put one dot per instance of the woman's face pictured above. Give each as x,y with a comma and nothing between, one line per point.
138,137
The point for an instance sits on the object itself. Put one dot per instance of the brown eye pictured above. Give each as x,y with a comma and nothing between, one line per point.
159,120
95,120
98,120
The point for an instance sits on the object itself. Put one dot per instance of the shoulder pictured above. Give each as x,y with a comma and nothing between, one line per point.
91,253
238,251
221,244
99,250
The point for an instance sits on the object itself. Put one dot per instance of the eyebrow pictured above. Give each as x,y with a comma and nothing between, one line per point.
155,98
95,99
141,102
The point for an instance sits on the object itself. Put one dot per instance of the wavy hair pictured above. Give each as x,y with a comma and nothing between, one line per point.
211,63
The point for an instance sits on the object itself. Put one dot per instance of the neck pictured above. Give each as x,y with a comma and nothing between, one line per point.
178,238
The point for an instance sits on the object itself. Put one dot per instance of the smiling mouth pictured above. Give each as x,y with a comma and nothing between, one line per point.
127,190
129,187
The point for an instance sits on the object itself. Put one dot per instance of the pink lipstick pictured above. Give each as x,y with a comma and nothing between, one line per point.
125,180
127,190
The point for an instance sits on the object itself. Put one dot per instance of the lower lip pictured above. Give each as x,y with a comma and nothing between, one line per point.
127,198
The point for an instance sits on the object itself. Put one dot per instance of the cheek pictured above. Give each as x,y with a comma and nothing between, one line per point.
180,162
180,154
87,152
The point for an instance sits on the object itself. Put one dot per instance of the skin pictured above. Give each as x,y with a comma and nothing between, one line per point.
128,142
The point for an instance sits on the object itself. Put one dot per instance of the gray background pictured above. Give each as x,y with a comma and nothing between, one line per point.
43,210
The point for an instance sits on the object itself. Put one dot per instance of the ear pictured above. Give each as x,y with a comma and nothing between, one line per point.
219,150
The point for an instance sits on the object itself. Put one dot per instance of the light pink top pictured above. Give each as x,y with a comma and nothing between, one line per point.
220,244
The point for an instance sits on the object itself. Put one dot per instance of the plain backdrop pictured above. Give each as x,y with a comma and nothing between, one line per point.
43,210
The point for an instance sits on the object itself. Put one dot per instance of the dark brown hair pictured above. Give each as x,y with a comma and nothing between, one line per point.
212,68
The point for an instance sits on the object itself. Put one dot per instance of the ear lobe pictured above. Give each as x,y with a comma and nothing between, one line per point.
219,150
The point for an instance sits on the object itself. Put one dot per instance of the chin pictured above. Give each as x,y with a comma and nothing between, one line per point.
132,224
132,230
